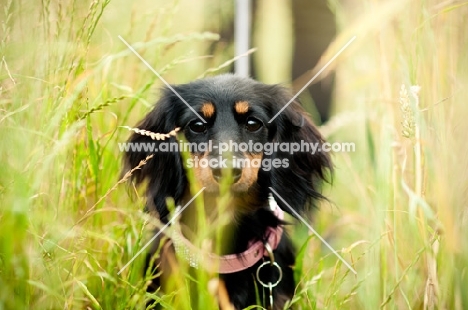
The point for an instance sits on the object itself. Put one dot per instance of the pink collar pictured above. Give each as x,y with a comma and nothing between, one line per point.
233,262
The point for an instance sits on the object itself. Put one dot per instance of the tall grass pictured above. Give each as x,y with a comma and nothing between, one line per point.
399,207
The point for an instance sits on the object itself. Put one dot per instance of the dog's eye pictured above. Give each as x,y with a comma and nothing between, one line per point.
253,124
197,126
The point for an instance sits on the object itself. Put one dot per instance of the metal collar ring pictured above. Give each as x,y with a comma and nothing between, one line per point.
280,274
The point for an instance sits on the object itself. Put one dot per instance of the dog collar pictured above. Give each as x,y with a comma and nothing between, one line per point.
231,263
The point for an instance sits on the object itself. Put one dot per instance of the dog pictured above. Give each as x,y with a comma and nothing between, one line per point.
255,263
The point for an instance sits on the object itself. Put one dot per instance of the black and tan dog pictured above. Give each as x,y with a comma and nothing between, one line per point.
234,110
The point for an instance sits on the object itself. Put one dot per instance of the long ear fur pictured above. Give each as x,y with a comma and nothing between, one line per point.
164,172
298,184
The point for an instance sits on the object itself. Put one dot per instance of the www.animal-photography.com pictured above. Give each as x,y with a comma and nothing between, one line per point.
237,154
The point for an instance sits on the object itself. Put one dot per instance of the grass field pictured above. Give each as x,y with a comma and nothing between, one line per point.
399,207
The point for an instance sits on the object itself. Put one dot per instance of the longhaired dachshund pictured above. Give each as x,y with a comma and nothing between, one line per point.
238,118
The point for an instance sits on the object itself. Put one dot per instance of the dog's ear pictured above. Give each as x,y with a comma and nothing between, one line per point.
164,172
299,183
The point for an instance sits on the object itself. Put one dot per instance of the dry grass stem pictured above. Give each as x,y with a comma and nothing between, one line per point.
154,135
408,122
124,179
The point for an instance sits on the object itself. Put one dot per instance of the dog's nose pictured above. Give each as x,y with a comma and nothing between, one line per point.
236,174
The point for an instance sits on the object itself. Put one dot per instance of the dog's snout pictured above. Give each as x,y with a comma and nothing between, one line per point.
219,172
236,174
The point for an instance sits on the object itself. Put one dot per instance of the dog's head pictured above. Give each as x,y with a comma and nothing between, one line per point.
226,121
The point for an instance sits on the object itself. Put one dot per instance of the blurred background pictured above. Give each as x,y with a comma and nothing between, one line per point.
398,204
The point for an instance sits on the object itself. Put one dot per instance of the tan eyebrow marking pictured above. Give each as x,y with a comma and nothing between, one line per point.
241,107
208,109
